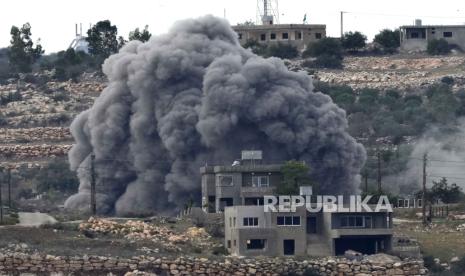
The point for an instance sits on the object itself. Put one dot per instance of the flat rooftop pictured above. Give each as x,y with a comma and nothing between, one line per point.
279,26
433,26
242,168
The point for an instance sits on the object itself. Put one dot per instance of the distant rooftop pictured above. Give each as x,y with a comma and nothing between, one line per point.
279,26
433,26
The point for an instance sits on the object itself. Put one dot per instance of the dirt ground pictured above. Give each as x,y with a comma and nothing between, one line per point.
65,239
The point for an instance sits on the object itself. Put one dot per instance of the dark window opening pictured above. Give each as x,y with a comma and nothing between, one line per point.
433,32
240,36
253,201
365,245
285,36
229,243
299,35
289,247
272,36
234,243
250,222
318,35
256,244
225,202
263,37
447,34
288,220
311,225
414,35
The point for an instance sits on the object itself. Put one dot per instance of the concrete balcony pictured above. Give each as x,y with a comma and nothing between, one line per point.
249,191
336,233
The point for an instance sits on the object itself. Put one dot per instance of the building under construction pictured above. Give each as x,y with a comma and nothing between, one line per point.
268,30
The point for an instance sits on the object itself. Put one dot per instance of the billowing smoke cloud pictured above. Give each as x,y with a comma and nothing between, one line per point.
445,150
195,96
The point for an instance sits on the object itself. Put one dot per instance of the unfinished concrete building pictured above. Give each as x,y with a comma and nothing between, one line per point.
250,231
245,182
415,38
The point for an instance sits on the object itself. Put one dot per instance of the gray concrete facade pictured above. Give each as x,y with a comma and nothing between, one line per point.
312,234
242,184
298,35
415,38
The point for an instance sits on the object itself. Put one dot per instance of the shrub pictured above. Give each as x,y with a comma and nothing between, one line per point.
353,41
328,61
459,266
438,47
447,80
325,46
389,39
220,250
282,51
328,53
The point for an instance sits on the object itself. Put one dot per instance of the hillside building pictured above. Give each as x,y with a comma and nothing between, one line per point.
415,38
238,191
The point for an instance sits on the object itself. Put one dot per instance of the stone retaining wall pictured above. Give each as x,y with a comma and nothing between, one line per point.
45,264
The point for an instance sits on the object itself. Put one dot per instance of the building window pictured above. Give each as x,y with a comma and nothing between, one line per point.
299,35
447,34
229,243
272,36
318,35
356,222
250,221
234,243
225,180
234,222
239,35
285,36
256,244
414,35
260,181
288,220
263,37
230,222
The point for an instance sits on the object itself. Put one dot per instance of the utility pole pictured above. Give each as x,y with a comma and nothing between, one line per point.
423,196
342,24
9,187
379,171
93,204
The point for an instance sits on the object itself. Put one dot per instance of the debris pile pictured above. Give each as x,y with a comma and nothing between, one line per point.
139,230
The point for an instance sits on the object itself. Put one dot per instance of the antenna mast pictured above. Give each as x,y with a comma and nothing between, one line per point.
267,12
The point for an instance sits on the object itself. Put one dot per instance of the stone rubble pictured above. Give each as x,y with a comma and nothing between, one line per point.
138,230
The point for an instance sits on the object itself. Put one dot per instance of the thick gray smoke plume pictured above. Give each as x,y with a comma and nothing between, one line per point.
192,96
445,150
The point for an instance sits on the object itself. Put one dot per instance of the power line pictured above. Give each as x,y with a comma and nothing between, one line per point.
404,15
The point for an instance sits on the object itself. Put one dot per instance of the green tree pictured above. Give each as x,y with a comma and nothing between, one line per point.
295,174
56,176
445,192
438,47
353,41
102,39
141,36
21,52
328,53
389,39
442,105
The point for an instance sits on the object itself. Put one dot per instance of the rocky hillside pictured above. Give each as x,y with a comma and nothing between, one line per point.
397,72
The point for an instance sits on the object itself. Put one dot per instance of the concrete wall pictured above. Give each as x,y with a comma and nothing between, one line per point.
308,34
409,44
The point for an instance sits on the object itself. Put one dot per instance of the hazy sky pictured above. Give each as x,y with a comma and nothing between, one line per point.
54,21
